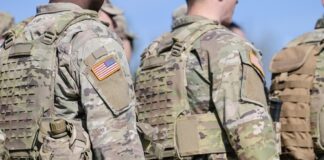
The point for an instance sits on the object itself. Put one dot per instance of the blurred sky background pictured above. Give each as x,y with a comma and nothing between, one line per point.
269,24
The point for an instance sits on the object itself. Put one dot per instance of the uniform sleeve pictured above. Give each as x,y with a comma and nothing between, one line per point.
239,97
107,96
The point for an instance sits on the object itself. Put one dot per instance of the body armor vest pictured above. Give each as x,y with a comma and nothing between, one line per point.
161,93
297,82
27,74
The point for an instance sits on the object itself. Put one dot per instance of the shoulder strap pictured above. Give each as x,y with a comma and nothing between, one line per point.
51,35
184,39
64,22
14,32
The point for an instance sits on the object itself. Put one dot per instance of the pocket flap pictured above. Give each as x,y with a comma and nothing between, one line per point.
290,59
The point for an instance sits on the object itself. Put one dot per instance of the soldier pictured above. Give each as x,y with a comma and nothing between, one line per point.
65,82
297,83
6,22
113,16
200,91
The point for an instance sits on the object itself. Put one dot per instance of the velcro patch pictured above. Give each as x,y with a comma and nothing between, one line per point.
256,62
105,67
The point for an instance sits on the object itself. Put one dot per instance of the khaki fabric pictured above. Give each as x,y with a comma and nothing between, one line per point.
296,72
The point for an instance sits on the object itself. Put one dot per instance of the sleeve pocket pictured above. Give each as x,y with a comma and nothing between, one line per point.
113,89
252,89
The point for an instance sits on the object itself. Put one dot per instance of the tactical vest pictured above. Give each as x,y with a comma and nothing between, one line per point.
163,103
297,81
27,75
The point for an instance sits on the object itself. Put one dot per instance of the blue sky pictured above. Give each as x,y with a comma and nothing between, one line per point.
269,24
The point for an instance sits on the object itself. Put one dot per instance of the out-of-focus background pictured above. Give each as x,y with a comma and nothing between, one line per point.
268,24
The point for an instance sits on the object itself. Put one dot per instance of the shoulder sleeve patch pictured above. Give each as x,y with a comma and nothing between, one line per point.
105,73
254,59
106,67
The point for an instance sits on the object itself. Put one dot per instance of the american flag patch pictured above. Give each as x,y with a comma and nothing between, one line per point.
105,68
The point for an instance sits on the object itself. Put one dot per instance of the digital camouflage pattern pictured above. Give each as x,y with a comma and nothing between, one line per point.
298,82
81,96
224,76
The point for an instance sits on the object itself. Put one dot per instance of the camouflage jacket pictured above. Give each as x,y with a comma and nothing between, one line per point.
237,90
77,96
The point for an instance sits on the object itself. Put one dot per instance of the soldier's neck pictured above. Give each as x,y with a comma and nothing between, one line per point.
204,12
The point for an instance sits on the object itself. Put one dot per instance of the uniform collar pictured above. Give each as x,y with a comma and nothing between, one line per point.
186,20
320,23
57,7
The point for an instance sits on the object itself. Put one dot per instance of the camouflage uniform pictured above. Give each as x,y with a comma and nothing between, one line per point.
105,105
6,22
297,81
223,76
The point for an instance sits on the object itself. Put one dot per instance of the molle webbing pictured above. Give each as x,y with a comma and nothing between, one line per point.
293,87
160,86
27,74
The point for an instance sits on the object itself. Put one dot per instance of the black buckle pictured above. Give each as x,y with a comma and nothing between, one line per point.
48,37
9,41
177,48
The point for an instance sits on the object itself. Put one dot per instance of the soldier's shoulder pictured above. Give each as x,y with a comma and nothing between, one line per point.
95,26
86,31
312,36
223,42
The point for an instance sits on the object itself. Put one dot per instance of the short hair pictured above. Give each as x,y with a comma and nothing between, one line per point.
234,25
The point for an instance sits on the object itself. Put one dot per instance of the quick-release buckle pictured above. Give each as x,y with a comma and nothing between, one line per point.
49,37
9,41
177,48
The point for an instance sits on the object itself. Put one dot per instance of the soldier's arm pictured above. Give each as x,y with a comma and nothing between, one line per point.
239,97
107,96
